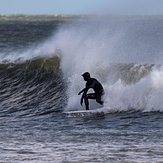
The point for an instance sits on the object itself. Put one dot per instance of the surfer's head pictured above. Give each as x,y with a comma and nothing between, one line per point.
86,76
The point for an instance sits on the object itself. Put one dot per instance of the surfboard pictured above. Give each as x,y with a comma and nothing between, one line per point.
85,113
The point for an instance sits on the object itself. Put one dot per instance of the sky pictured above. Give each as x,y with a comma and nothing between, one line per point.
78,7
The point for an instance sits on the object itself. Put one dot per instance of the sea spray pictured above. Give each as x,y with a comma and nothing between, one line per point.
126,78
121,53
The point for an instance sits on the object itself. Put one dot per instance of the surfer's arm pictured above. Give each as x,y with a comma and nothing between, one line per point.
84,91
81,91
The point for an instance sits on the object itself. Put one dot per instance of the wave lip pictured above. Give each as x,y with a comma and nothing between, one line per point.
51,63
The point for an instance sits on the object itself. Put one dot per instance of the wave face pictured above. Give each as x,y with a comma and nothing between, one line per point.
34,87
42,63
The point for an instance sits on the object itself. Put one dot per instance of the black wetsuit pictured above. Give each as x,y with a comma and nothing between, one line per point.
98,92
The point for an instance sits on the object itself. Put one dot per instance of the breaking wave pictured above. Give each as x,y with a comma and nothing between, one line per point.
49,75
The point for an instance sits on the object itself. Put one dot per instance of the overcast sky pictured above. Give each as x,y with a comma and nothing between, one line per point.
118,7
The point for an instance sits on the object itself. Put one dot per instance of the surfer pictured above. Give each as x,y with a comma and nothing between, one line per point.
96,86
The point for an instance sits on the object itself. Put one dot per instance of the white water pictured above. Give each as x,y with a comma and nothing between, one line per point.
92,48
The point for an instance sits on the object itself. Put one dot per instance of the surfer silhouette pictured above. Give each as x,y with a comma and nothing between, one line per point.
96,86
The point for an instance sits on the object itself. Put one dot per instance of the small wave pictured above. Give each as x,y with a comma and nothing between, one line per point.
21,17
129,73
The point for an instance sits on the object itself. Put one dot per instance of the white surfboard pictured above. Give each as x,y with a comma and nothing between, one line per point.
85,113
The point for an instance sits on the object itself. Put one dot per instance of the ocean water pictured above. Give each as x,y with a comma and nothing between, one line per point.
41,62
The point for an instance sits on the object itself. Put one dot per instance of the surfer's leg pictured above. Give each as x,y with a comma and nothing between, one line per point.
86,103
98,99
89,96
